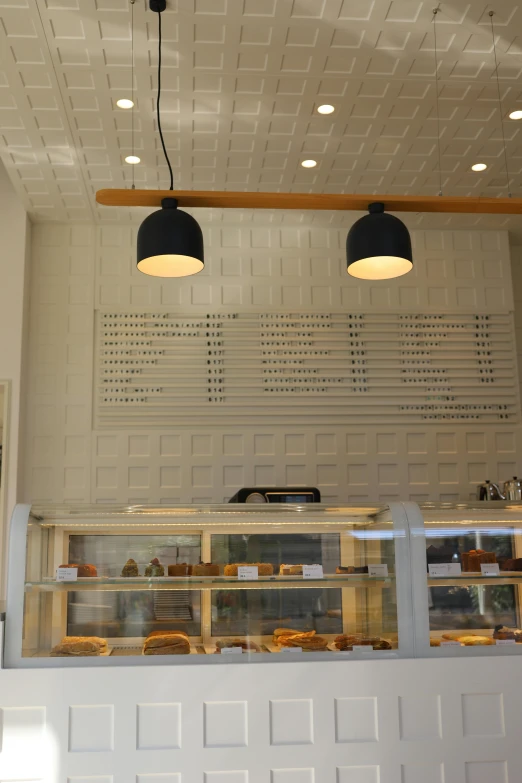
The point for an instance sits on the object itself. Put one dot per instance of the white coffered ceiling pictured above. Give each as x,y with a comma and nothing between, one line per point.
242,82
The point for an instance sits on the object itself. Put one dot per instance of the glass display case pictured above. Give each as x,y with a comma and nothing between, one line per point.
467,577
141,585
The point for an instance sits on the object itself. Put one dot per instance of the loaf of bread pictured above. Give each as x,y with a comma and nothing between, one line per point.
205,569
166,643
78,646
83,570
102,643
180,569
263,569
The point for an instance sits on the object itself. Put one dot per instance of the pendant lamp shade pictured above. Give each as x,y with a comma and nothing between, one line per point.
378,246
170,243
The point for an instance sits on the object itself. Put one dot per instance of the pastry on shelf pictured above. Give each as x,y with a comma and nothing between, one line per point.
288,570
502,632
348,641
510,563
263,569
130,569
84,570
166,643
245,645
280,633
179,569
472,640
154,568
351,569
77,646
472,560
308,642
205,569
453,636
435,642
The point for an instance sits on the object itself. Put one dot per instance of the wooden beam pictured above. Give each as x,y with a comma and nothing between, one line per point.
313,201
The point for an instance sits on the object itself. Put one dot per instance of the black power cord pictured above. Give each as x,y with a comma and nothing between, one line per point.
158,6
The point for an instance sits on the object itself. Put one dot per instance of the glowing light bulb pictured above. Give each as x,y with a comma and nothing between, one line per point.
125,103
133,159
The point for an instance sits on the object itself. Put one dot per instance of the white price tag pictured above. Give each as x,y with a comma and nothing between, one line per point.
502,642
362,648
248,573
450,643
231,650
313,572
490,569
66,574
445,569
291,649
378,569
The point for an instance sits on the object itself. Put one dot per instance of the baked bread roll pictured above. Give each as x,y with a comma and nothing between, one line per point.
83,570
166,643
435,642
180,569
102,643
279,633
472,641
305,641
503,632
205,569
263,569
76,648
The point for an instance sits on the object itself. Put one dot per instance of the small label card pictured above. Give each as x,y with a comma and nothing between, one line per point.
445,569
490,569
248,573
378,569
448,643
313,572
362,648
291,649
231,650
504,641
66,574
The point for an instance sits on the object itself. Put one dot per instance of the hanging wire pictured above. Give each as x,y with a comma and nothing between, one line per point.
132,86
491,15
435,12
158,104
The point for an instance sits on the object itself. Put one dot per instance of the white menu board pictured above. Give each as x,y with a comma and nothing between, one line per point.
167,368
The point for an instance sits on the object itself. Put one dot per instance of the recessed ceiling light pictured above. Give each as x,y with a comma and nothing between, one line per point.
326,108
309,164
516,115
125,103
132,159
479,167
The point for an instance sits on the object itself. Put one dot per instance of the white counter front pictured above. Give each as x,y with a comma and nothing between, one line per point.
402,721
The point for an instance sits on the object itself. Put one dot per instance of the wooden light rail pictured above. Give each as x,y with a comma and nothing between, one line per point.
313,201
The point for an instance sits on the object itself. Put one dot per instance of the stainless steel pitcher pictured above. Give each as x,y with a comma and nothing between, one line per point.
489,491
513,489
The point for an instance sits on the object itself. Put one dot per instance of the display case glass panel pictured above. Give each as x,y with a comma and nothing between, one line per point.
189,584
473,566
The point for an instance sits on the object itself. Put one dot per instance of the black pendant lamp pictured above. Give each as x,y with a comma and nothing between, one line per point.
378,246
170,242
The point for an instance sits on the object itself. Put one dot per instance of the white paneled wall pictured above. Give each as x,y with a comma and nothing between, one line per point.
78,269
411,721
